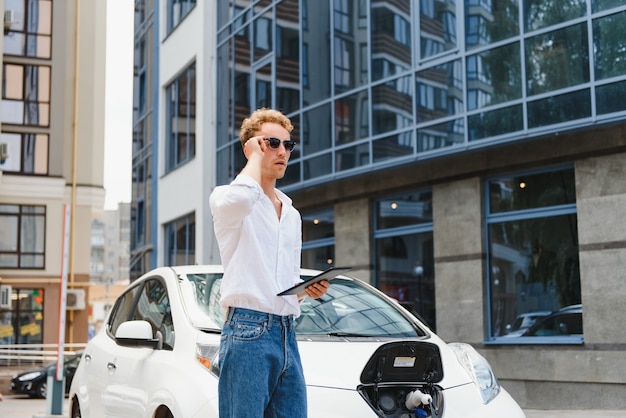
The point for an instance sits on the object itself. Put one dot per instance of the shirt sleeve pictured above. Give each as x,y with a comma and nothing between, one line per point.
232,203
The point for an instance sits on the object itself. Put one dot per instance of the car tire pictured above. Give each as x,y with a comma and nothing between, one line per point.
41,390
75,410
162,412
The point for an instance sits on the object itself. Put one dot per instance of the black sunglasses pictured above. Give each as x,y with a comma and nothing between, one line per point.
275,143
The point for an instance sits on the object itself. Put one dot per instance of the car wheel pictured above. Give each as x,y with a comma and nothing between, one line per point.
163,412
41,390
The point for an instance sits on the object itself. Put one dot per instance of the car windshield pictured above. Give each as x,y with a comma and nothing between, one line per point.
348,309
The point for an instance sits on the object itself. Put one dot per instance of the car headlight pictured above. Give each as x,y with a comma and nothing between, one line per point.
29,376
207,355
479,370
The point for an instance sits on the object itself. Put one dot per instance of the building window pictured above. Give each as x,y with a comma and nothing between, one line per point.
404,254
180,241
26,153
30,31
23,322
181,122
23,238
26,95
533,269
176,12
318,239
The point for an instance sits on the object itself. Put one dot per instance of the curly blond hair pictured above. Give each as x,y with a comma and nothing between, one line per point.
252,124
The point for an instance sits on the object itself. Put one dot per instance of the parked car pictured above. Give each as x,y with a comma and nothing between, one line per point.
156,356
34,382
523,322
567,321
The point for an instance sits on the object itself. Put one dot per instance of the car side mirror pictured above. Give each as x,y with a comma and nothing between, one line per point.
137,334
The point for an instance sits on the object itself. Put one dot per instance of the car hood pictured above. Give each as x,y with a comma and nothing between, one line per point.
339,364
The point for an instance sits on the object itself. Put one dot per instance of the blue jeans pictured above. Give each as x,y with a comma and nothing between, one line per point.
260,368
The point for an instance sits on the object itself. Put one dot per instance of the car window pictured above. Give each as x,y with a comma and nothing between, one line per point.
123,309
350,309
206,295
153,306
347,309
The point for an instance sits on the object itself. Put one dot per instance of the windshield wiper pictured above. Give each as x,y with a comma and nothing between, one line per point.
348,334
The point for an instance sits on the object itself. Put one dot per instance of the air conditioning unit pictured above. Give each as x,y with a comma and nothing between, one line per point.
75,300
9,18
5,296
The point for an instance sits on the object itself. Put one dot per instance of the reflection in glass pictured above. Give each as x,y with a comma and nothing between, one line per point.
176,12
287,56
410,208
542,13
490,21
263,83
316,130
439,91
223,96
391,38
393,146
350,40
558,109
405,271
599,5
181,123
352,157
318,166
292,175
442,135
610,98
609,46
29,86
315,51
438,27
180,241
557,59
242,77
494,76
318,224
529,191
30,32
533,267
262,36
224,165
496,122
351,118
392,105
318,258
23,244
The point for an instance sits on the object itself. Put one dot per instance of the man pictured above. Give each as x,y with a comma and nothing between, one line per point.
260,239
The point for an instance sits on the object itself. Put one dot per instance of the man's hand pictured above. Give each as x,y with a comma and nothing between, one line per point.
316,290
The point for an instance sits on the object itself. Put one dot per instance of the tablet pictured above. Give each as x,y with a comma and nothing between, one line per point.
329,274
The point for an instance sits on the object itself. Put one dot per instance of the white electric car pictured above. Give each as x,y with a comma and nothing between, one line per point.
363,356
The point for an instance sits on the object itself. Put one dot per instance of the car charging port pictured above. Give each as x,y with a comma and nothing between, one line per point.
398,401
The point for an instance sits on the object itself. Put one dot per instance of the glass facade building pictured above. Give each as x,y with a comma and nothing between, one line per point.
373,83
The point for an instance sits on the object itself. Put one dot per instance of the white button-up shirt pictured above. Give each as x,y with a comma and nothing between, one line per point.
260,252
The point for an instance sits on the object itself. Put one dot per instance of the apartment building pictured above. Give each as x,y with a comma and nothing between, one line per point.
52,142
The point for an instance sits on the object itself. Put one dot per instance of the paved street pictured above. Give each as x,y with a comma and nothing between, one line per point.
24,407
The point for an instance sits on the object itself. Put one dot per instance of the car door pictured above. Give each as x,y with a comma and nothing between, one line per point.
95,369
128,391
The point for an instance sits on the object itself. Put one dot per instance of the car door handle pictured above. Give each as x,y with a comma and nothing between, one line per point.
111,366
